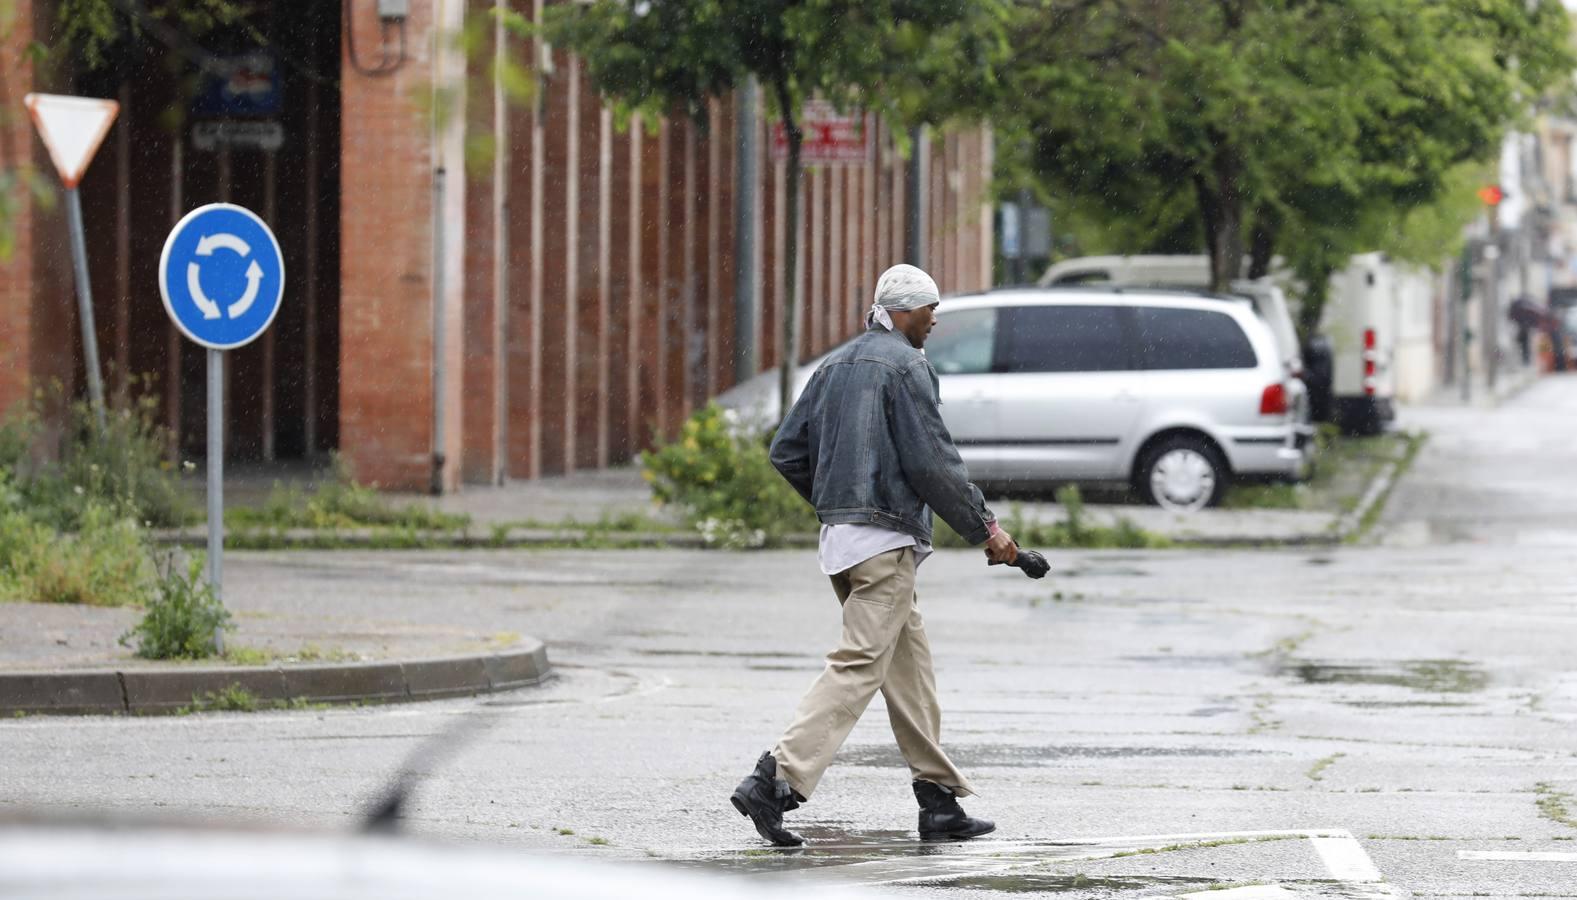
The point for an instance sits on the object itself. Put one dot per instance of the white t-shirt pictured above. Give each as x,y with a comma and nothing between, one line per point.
846,546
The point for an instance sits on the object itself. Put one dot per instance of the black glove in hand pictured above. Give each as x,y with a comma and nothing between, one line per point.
1030,563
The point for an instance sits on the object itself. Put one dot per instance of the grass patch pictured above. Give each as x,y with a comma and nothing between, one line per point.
1415,443
1343,468
340,503
105,562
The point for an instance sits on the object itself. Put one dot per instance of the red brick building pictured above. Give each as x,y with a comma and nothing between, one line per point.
583,274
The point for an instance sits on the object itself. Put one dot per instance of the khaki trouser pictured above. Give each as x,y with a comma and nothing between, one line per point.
883,648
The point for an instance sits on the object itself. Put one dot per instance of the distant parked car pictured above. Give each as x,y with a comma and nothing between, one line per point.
1175,393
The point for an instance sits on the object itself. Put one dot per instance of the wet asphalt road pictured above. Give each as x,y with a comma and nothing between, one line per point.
1362,722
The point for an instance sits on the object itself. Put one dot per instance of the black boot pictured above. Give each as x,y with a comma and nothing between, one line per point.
765,797
942,819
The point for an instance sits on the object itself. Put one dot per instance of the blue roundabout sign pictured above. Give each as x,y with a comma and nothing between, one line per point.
221,276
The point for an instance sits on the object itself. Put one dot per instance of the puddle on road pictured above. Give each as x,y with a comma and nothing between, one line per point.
1402,704
728,654
1434,676
1101,572
1012,756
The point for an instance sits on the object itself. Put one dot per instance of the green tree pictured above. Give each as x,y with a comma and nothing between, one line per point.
1281,127
905,59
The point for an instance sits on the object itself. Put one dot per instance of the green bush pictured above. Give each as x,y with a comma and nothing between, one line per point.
720,475
122,465
184,619
105,563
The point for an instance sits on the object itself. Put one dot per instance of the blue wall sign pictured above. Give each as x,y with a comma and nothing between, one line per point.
222,276
249,86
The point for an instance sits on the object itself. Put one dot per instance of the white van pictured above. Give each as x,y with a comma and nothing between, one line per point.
1361,319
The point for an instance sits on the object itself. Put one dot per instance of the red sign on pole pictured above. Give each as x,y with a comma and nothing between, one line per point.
830,137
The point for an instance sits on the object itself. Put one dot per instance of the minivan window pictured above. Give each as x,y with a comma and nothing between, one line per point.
962,342
1064,339
1171,338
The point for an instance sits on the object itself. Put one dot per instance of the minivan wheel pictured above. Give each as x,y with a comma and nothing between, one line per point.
1182,473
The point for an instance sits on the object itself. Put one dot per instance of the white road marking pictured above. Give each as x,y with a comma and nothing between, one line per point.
1518,855
1345,859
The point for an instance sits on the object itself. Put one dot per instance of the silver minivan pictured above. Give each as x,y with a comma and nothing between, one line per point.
1173,392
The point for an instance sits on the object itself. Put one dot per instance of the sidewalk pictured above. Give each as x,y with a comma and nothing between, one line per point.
313,628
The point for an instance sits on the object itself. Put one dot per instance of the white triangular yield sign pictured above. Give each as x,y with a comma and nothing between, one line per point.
72,129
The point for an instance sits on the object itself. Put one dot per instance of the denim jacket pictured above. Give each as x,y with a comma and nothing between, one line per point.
865,443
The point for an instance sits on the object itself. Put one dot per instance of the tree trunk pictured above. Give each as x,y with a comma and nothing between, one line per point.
1221,206
1262,244
1317,283
791,308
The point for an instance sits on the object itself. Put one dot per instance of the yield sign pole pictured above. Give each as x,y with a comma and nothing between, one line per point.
72,129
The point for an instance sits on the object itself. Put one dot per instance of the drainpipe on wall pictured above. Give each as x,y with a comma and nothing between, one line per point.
437,485
918,178
746,274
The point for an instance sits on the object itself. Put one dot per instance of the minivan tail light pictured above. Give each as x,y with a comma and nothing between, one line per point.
1370,360
1274,401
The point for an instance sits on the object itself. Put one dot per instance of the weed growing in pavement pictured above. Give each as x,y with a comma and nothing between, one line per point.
597,841
233,698
184,620
566,832
1317,771
1201,845
1553,804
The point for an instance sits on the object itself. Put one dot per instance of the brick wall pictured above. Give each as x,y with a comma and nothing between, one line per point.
592,289
16,149
388,156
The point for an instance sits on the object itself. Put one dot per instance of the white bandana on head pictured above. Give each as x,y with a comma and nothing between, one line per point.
902,287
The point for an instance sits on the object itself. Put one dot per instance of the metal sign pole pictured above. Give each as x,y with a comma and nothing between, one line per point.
216,462
90,341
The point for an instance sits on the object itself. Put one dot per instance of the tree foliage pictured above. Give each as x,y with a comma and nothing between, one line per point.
1309,130
902,58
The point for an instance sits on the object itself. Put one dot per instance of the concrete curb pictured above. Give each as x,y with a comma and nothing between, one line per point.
152,691
1351,524
196,538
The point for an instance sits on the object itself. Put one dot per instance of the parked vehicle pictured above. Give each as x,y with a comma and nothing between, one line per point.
1362,319
1376,314
1173,392
1180,271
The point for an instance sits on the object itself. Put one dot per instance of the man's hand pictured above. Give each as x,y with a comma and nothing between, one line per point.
1000,548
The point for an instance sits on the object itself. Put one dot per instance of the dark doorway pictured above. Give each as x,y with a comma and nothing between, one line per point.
247,114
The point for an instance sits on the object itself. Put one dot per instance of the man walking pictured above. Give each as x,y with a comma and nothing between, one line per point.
866,446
